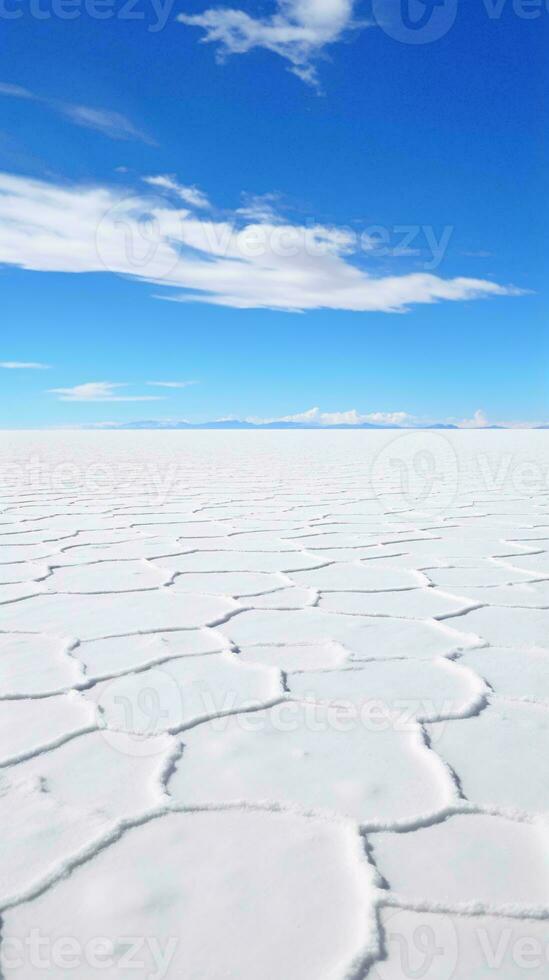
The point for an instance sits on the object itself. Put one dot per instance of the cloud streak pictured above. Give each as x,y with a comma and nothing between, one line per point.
24,366
111,124
171,384
99,391
191,195
54,227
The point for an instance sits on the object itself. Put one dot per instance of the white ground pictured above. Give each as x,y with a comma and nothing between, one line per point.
274,706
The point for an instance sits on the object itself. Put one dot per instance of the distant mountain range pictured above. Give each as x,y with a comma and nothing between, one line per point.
238,424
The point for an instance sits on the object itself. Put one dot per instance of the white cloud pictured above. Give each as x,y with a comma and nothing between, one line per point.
111,124
314,416
259,207
62,228
99,391
24,365
191,195
298,31
479,421
171,384
389,418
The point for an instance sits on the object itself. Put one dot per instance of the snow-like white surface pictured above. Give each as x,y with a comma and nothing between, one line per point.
274,705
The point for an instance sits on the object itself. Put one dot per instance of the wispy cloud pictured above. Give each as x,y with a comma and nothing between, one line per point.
191,195
111,124
478,421
24,366
232,262
100,391
171,384
298,31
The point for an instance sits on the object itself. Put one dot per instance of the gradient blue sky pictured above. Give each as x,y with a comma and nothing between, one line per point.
371,131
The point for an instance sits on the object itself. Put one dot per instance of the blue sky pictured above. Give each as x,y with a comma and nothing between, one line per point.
317,207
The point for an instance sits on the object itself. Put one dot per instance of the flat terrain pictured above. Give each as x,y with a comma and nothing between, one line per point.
274,705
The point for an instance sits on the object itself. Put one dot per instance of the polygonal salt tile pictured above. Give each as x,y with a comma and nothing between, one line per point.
169,525
400,689
412,604
106,576
500,756
291,598
71,523
33,664
291,656
95,616
365,577
331,539
97,778
136,549
39,835
471,863
315,757
534,596
124,653
391,555
535,565
238,561
474,545
475,576
283,896
365,638
182,692
512,673
20,590
28,725
509,626
38,537
228,583
22,571
260,540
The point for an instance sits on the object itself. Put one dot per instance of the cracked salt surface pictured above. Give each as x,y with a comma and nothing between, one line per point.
275,706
